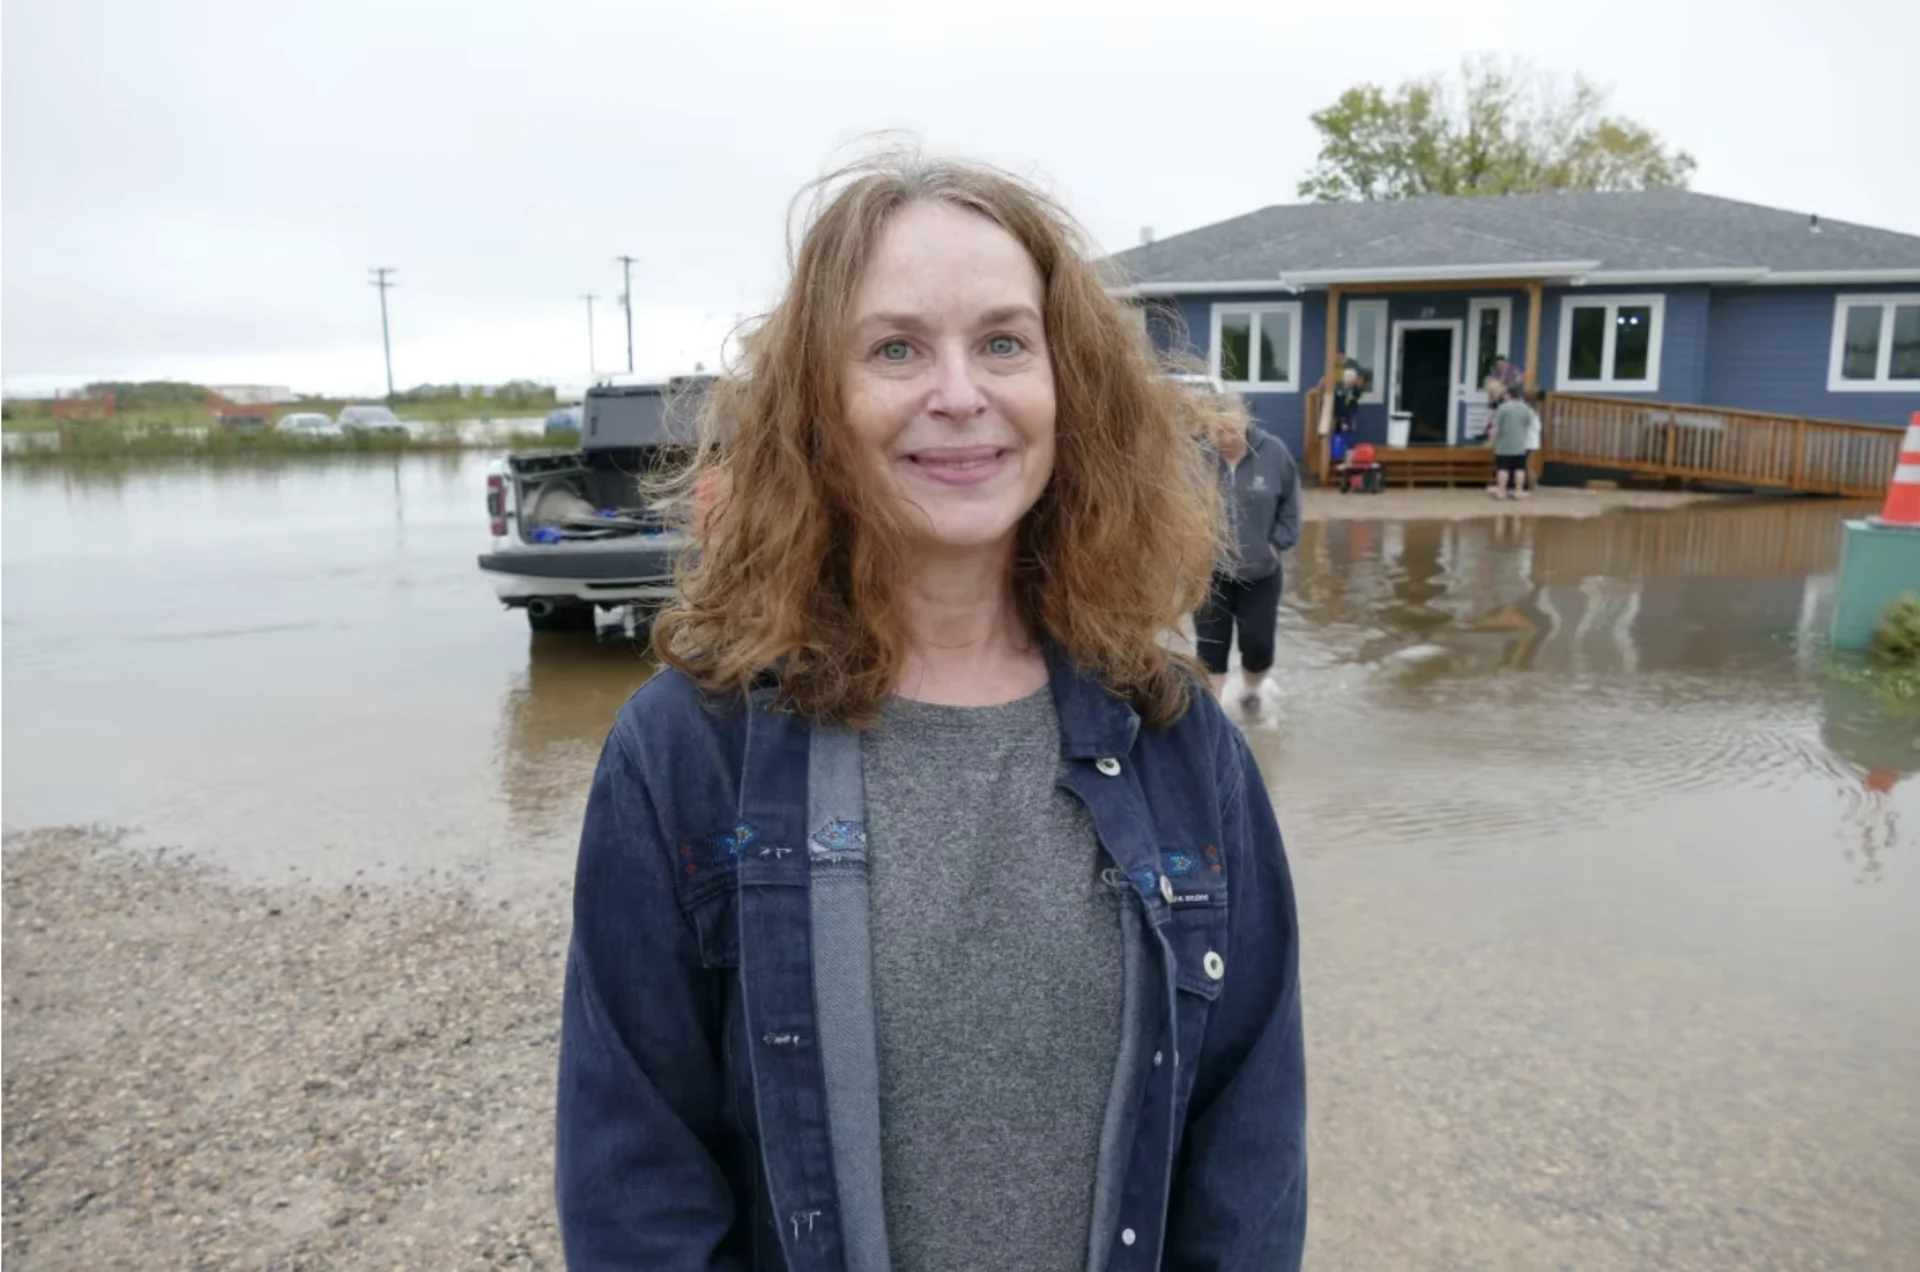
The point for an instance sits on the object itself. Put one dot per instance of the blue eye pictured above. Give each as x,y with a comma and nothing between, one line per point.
894,351
1005,346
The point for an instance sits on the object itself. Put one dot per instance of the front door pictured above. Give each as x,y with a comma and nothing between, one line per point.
1426,374
1489,336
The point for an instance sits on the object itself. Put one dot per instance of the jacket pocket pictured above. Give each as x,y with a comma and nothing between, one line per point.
716,921
1199,960
1197,919
708,886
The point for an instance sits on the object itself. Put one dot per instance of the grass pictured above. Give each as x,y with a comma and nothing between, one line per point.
34,416
1892,670
94,442
1897,687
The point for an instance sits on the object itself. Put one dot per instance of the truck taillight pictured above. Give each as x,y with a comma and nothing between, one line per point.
497,504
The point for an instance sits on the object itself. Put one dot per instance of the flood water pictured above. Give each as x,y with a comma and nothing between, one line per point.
1610,896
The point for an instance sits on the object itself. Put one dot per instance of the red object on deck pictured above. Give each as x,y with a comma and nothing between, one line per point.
1903,496
1361,455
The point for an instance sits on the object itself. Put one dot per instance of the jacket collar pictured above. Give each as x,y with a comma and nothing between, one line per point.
1094,722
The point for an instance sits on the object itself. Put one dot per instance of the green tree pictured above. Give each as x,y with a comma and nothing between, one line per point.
1498,129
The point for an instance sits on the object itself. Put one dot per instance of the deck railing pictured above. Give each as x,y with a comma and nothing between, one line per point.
1708,443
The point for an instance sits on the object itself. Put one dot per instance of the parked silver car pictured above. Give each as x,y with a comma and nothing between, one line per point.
373,419
308,424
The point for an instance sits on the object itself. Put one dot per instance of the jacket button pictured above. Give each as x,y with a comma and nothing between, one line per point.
1127,1237
1215,965
1108,766
1157,1058
1166,889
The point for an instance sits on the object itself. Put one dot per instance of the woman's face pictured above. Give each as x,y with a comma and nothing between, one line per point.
1229,436
949,384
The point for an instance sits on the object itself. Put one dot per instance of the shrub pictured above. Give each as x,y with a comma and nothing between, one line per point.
1897,639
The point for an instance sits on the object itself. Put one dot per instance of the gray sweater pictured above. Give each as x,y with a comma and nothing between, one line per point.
1262,494
997,988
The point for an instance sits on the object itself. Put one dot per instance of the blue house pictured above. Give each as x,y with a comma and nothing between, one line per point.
1661,296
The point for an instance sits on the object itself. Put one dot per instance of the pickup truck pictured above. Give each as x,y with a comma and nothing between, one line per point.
573,531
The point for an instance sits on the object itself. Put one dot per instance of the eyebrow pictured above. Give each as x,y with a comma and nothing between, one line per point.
917,323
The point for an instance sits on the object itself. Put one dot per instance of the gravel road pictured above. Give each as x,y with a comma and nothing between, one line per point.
200,1075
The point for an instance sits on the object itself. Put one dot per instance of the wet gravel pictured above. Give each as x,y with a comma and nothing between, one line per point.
205,1075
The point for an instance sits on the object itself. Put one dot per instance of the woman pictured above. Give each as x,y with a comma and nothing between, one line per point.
1512,422
925,916
1261,486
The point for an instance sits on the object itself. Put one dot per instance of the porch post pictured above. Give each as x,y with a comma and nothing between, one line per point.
1333,334
1533,335
1537,461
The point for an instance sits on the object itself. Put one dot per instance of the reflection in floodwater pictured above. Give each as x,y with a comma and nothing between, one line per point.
1513,676
213,649
555,718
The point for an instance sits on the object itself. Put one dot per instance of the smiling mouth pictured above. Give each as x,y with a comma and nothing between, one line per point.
958,466
962,464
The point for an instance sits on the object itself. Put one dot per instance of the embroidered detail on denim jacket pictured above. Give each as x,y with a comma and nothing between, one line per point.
719,848
1176,864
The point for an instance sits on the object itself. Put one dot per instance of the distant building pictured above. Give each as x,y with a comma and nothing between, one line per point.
254,394
1663,295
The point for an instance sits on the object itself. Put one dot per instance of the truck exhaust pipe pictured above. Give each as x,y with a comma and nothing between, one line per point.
540,607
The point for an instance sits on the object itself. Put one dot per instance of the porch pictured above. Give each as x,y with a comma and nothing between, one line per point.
1427,364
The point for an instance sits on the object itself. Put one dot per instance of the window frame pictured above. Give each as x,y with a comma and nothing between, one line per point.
1655,302
1882,381
1292,308
1374,359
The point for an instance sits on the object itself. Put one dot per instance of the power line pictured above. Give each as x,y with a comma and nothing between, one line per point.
626,302
379,280
588,297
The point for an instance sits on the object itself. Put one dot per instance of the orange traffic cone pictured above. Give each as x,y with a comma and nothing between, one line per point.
1903,496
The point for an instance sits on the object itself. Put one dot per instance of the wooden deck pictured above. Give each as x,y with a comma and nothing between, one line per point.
1637,437
1468,466
1708,444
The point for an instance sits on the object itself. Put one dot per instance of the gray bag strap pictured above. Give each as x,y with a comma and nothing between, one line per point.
839,897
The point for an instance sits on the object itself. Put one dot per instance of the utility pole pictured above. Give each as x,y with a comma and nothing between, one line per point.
380,280
590,369
626,302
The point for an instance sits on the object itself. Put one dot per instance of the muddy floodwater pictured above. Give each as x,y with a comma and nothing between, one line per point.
1610,894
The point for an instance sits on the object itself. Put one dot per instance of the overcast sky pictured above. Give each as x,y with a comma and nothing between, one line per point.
196,190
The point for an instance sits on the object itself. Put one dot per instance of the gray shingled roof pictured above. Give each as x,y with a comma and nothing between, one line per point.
1641,230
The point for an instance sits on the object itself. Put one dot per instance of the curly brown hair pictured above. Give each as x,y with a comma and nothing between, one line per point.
802,556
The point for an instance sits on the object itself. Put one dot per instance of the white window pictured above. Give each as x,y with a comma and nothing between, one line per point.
1256,348
1366,343
1611,343
1876,344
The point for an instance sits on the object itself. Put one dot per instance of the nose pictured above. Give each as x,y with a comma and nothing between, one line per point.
956,392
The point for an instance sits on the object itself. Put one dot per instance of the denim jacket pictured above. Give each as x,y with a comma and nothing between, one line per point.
705,1120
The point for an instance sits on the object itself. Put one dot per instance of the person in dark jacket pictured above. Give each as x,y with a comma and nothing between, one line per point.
1260,485
929,913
